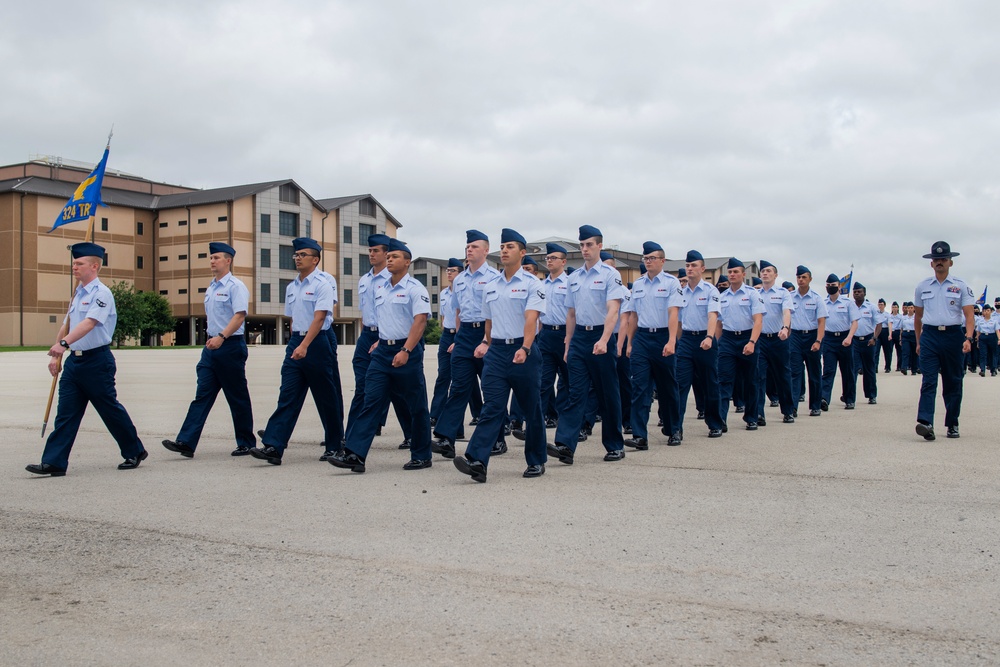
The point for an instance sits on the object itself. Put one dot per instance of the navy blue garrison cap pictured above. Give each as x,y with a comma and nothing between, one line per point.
788,285
651,246
764,264
833,278
682,272
529,260
398,246
216,246
756,282
881,300
589,232
554,247
509,235
735,264
473,235
642,269
456,263
569,270
87,250
859,286
378,239
800,269
304,243
605,255
694,256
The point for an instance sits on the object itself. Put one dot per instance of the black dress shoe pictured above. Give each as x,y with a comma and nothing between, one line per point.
267,453
474,469
701,414
241,451
774,404
45,469
872,401
327,454
616,455
849,406
802,398
561,452
347,460
260,433
133,463
814,413
582,435
473,421
404,445
550,422
823,405
498,448
517,433
378,430
434,422
926,430
953,432
179,447
637,443
444,447
751,426
417,464
534,471
788,419
659,423
795,414
674,440
761,422
627,430
725,429
739,410
715,432
598,419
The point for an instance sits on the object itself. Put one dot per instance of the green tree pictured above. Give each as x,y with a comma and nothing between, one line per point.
432,334
140,314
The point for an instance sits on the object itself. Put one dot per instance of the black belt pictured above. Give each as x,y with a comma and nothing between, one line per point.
596,327
227,337
836,334
862,338
653,330
86,353
938,327
554,327
507,341
384,341
736,334
805,332
451,331
695,333
372,329
474,325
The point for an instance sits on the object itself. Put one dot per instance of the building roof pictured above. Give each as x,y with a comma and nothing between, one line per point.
218,195
333,203
64,190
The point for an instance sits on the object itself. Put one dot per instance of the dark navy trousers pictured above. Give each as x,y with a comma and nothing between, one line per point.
586,368
501,376
313,373
941,352
443,381
775,355
736,367
884,348
834,354
699,369
89,378
650,368
987,351
464,371
804,359
406,385
908,352
866,360
551,344
360,362
221,369
623,366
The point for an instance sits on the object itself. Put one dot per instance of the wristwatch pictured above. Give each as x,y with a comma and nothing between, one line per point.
405,350
64,343
527,351
222,335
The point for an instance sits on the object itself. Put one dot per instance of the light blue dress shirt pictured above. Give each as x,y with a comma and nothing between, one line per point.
840,314
556,291
506,301
987,326
776,300
469,287
446,303
590,290
807,309
652,299
943,301
868,318
367,285
304,297
737,308
397,305
698,303
223,299
96,302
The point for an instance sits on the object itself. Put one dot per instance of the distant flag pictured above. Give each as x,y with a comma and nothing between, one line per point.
87,197
845,282
982,299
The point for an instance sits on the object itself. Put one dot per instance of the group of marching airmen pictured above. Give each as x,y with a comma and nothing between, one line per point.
575,349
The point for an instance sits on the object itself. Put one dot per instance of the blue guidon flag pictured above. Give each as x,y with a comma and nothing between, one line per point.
845,283
982,300
86,198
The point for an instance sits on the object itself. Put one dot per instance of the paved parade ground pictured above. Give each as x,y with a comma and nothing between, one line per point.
842,539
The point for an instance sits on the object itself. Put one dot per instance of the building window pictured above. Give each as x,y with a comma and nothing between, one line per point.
364,231
182,257
348,298
348,233
138,229
283,287
107,259
138,262
182,291
309,228
202,255
434,298
348,266
265,258
52,319
265,223
285,259
434,281
421,278
288,224
104,224
288,194
223,218
163,225
202,290
164,292
202,221
163,259
367,207
364,265
265,292
182,223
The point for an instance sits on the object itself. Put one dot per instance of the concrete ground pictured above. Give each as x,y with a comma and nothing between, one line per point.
839,540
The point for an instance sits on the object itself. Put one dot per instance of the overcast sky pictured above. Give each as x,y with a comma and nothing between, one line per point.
827,133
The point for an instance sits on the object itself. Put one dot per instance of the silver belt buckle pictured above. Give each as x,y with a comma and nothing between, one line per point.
942,328
77,353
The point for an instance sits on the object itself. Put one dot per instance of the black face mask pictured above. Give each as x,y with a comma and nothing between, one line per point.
832,289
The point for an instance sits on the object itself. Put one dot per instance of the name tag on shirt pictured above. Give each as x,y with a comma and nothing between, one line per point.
401,297
521,293
809,306
597,285
492,296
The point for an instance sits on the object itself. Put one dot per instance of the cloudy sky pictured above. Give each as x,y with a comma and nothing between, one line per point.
827,133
